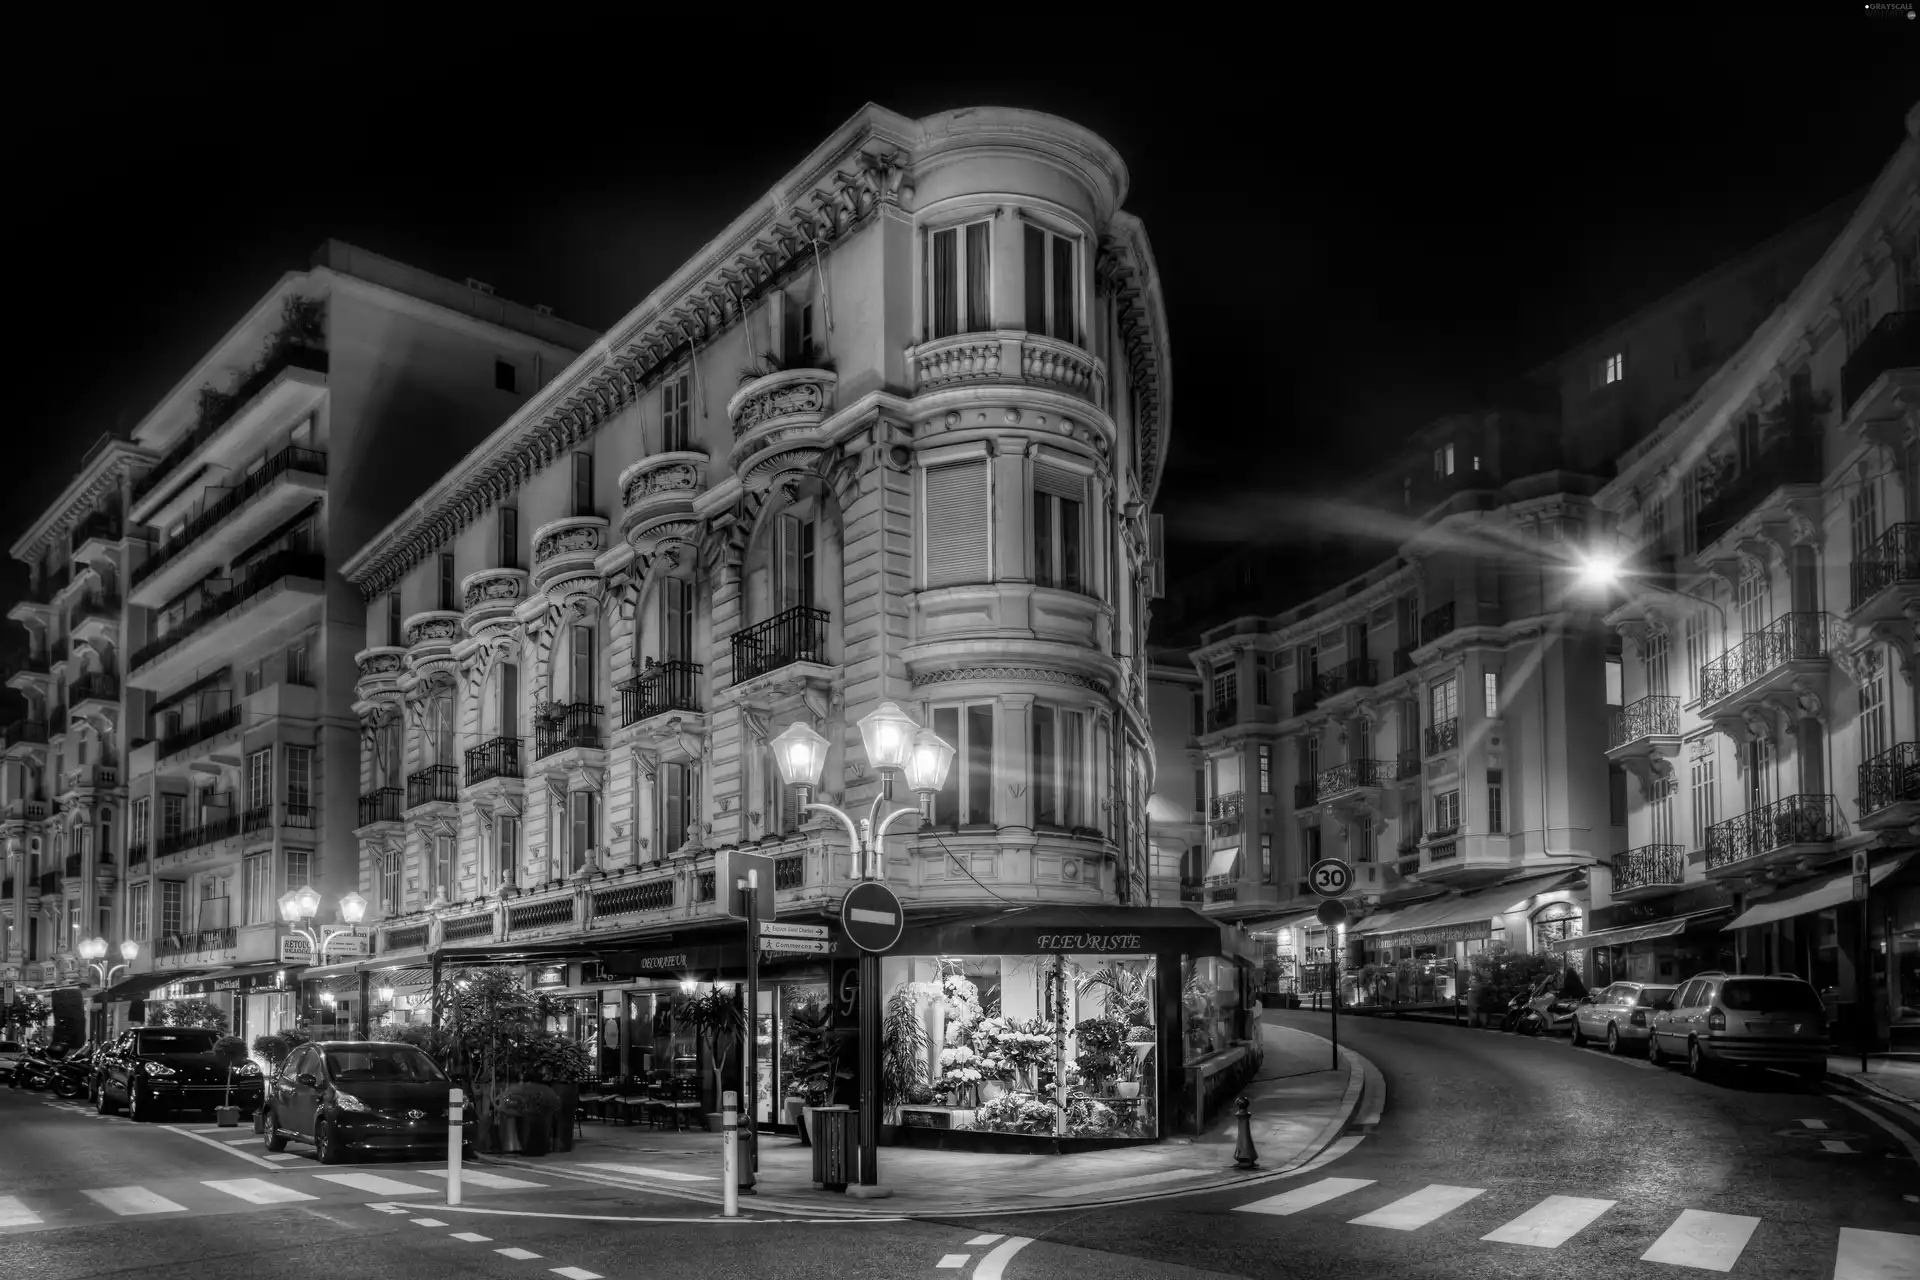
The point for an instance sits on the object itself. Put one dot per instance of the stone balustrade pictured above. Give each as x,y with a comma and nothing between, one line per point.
1009,356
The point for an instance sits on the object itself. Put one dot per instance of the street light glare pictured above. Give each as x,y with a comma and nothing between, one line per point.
128,950
1600,569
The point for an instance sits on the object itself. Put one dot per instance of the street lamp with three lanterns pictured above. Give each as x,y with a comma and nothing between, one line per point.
895,744
299,906
94,951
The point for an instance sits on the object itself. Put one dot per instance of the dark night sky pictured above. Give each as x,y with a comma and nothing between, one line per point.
1356,229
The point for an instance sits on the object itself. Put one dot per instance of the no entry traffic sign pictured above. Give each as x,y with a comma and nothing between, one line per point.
871,916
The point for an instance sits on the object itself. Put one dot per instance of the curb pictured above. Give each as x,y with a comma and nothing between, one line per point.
1366,1088
1867,1089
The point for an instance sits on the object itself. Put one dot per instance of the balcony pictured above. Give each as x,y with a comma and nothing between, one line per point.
291,480
209,727
266,597
96,537
1224,715
253,820
1359,673
1795,458
1356,780
656,495
210,831
1651,869
90,777
136,854
1886,363
1228,807
1436,623
1403,660
436,784
95,687
569,725
1889,796
1007,357
566,548
1786,831
25,734
36,604
1443,737
1893,561
488,598
660,688
1792,650
1644,731
49,882
776,423
798,635
286,387
203,942
497,758
383,805
32,675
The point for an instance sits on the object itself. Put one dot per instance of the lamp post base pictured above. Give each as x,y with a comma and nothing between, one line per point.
859,1192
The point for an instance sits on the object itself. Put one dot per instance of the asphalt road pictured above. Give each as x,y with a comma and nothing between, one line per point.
1585,1164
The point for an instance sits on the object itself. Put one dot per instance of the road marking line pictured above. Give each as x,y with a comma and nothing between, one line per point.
1551,1223
1305,1197
980,1240
1709,1241
476,1178
1876,1255
671,1175
1811,1124
374,1183
284,1155
1137,1180
13,1213
1832,1144
235,1142
952,1261
576,1273
1435,1200
1899,1134
258,1190
220,1146
426,1222
128,1201
994,1265
472,1237
385,1208
518,1255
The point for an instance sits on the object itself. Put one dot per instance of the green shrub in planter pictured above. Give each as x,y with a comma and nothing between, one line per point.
1499,974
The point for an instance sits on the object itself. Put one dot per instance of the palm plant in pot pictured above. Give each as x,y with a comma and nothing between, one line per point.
812,1059
903,1055
720,1023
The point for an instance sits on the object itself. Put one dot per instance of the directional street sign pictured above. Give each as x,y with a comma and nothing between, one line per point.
871,916
1859,888
775,929
1330,877
797,946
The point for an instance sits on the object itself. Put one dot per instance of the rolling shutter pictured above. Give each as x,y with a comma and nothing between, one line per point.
1059,481
957,523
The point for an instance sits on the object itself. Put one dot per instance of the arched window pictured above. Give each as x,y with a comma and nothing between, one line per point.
1554,922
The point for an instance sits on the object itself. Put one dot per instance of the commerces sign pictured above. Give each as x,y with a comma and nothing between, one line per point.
1470,932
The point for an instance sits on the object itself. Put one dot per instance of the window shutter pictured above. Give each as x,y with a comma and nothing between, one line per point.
1059,481
958,518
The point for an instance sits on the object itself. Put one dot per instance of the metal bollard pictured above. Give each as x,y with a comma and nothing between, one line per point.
1244,1156
730,1154
456,1130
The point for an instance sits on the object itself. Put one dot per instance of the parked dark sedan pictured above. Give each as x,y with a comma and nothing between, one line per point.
152,1070
360,1096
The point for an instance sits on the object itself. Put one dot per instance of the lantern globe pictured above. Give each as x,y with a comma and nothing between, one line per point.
929,761
386,995
91,948
289,903
307,900
800,754
887,733
353,907
128,950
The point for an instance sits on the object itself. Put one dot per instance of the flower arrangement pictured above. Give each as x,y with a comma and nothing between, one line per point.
1015,1113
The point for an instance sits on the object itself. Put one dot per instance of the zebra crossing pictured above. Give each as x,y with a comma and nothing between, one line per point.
88,1205
1696,1238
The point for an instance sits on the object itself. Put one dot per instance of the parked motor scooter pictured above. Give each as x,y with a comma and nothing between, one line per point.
1549,1007
36,1069
72,1076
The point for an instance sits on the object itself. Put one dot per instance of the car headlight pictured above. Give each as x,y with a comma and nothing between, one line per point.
157,1069
350,1103
246,1069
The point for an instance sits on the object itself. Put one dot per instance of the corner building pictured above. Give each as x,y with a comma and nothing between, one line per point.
892,435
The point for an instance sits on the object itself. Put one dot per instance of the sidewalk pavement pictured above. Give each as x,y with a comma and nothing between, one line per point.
1300,1106
1895,1079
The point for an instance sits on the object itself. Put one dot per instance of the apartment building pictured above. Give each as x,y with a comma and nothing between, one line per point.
191,691
891,436
1769,534
1441,720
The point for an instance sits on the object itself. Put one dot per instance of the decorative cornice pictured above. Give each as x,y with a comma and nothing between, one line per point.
1042,675
113,465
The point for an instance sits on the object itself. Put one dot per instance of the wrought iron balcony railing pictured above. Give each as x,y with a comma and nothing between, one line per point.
573,724
137,854
1791,637
1889,778
49,882
664,686
382,805
260,819
1436,623
287,357
1794,458
292,458
1444,736
1893,557
496,758
1230,805
435,784
25,731
1655,716
1894,343
203,941
255,579
206,833
95,686
1355,774
798,635
1649,865
1360,673
1407,764
1224,715
1802,819
1403,660
211,726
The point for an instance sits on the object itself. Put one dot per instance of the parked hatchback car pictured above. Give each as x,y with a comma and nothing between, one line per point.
1718,1019
153,1070
348,1096
1618,1015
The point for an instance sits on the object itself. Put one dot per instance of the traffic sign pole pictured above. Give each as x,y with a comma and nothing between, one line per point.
752,884
1333,914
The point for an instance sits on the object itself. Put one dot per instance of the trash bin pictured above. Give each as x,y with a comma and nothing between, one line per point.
836,1146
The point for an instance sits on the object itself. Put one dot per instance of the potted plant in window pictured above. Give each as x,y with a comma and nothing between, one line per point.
813,1059
1102,1046
720,1023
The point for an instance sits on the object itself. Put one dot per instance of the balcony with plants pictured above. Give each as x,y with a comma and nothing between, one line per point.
1886,577
660,688
266,597
1883,373
284,385
1889,795
287,483
1649,870
1795,830
1443,737
1793,654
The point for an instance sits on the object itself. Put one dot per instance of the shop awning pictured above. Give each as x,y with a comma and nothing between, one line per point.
1635,933
1828,891
1273,924
239,978
137,987
1220,861
1457,917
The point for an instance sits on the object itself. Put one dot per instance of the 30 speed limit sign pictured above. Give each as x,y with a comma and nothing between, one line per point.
1330,877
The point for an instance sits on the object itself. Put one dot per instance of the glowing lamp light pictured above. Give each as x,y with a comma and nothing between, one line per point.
800,754
1600,569
689,986
887,733
353,907
91,948
927,764
128,950
386,995
326,998
307,900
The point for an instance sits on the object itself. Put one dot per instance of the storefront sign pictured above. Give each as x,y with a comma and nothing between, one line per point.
295,949
553,975
1472,932
1051,942
237,983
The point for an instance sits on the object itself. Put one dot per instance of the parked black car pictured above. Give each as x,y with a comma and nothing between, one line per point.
152,1070
360,1095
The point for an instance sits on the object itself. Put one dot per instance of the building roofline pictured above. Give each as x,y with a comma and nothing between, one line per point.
106,461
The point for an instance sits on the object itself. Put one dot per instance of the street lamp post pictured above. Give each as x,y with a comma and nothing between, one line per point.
298,908
895,744
94,951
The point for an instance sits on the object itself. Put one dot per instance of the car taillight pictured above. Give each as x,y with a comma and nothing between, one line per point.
1638,1018
1716,1021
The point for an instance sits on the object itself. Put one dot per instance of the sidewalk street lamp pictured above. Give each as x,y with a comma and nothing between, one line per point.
895,744
299,906
94,951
